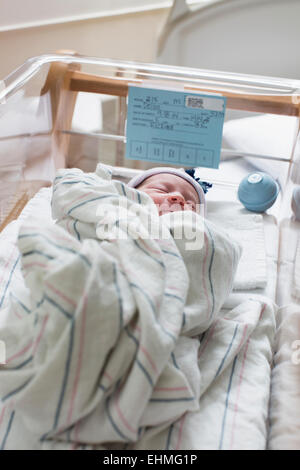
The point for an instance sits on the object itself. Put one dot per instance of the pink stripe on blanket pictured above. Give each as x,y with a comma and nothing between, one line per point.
20,352
106,374
150,249
151,362
16,313
144,350
243,337
61,294
170,389
30,265
77,199
37,341
262,311
7,263
54,235
121,416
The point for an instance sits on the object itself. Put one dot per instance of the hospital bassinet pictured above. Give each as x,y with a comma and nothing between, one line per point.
40,131
65,110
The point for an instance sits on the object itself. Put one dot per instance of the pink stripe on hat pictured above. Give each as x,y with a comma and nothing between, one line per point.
137,180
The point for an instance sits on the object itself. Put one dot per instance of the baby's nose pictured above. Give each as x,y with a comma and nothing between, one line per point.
176,199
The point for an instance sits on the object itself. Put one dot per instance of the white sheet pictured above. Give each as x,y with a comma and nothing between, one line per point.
248,229
285,397
222,200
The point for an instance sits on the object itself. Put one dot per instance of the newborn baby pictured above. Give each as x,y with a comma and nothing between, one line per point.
172,190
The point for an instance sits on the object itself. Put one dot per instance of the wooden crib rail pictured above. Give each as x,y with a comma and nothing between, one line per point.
270,103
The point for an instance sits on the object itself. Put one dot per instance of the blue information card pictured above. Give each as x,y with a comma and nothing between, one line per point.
174,127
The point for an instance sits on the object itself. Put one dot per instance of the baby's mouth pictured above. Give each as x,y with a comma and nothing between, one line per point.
165,208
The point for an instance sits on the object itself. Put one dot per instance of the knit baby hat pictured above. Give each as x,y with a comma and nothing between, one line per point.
189,175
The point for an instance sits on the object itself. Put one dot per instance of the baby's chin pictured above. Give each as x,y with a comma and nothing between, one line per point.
167,209
164,212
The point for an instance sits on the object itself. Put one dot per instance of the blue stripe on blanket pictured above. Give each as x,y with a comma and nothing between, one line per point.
158,400
153,309
75,229
174,361
132,284
37,252
105,389
62,310
183,319
70,182
20,366
123,189
68,432
227,352
40,302
27,310
91,200
78,181
66,375
8,282
209,270
143,369
201,337
63,248
169,436
131,336
226,404
167,252
146,373
166,294
11,418
72,175
16,390
115,427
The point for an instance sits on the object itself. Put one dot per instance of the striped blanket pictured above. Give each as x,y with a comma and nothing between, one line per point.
108,343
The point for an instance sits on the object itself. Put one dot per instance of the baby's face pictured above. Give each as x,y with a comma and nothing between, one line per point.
170,193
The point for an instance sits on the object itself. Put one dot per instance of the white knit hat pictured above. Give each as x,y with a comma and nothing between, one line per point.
137,180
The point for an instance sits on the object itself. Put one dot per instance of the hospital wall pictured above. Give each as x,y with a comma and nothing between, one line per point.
128,36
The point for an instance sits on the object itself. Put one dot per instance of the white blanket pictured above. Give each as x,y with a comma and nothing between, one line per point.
235,358
101,347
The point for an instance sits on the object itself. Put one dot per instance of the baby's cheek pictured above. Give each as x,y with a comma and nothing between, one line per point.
159,200
190,207
156,197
